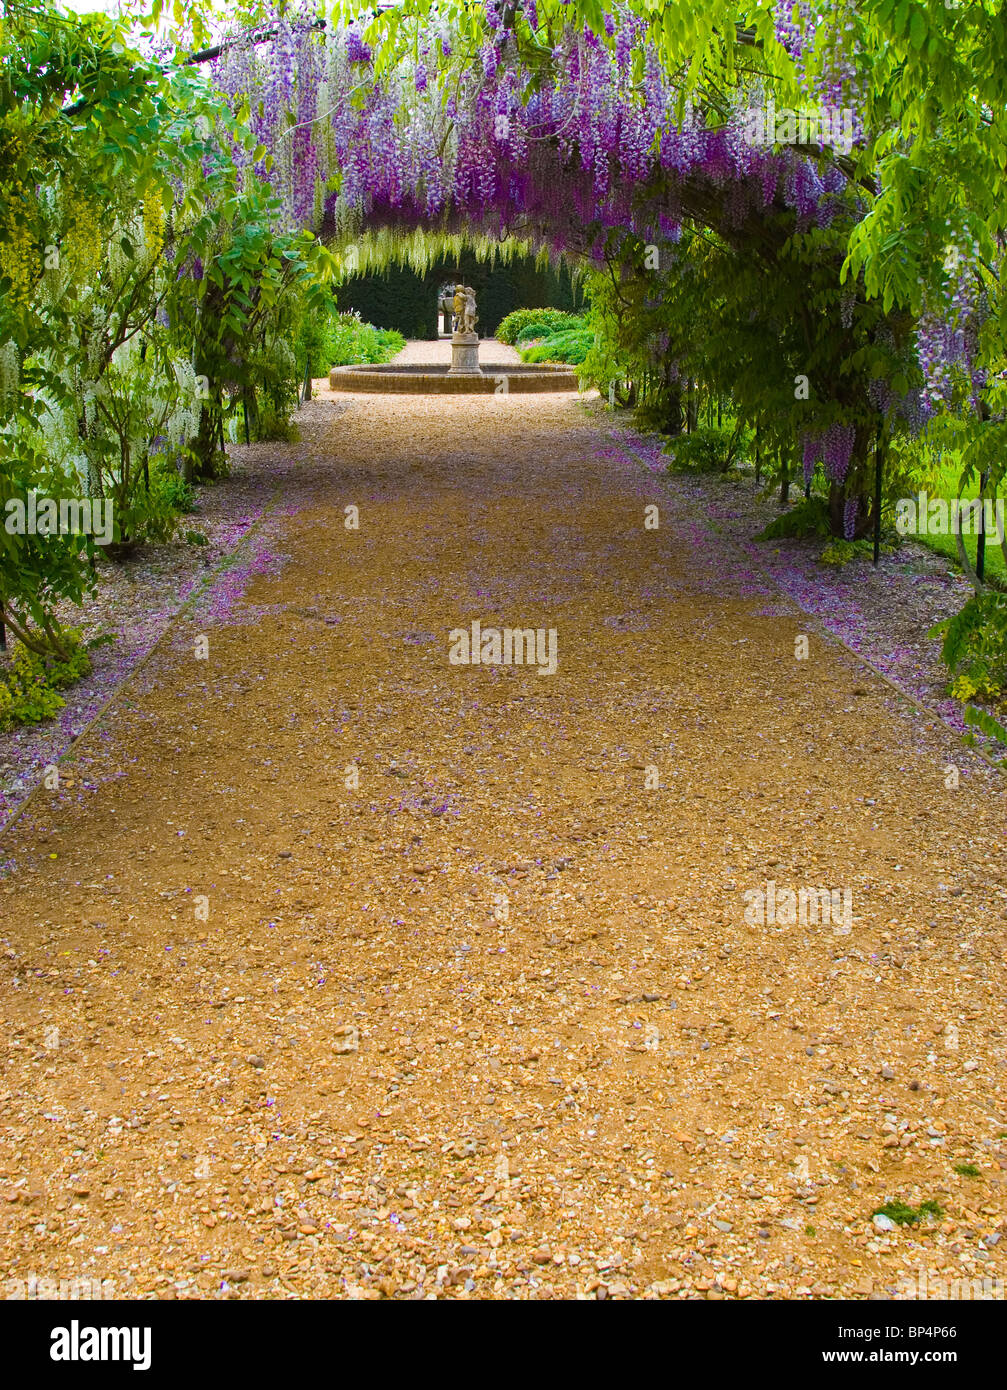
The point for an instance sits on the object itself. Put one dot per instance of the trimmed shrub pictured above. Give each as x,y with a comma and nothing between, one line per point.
524,324
571,346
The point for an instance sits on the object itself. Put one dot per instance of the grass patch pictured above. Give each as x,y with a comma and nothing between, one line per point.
948,476
967,1170
708,449
841,552
904,1215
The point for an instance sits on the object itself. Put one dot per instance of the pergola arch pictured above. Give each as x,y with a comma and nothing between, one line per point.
572,149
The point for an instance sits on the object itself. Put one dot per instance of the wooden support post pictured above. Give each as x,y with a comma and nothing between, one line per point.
981,533
878,469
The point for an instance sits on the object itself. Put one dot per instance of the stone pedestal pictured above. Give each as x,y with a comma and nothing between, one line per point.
465,355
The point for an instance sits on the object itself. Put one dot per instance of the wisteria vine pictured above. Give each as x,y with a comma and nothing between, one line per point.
599,140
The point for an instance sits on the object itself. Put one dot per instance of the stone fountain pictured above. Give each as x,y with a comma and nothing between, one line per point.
466,374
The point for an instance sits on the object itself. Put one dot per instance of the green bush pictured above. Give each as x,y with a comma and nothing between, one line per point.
29,683
170,487
809,518
151,516
539,329
975,649
153,512
524,324
276,425
347,341
571,346
706,450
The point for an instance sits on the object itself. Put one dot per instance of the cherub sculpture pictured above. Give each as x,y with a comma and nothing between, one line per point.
458,306
469,316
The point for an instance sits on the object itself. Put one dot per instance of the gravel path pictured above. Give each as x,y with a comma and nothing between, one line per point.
884,613
341,970
137,600
439,353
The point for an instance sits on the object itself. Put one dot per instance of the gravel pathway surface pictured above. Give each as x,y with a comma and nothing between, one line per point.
343,970
417,352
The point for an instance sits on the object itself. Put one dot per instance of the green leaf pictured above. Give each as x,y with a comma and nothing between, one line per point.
979,719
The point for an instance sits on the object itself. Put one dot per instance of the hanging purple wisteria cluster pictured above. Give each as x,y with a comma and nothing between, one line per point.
915,408
947,342
833,446
597,142
833,79
488,148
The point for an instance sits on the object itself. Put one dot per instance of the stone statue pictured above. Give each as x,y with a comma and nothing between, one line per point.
469,316
465,340
458,306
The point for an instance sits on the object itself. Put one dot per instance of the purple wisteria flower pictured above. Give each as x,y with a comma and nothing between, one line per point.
356,50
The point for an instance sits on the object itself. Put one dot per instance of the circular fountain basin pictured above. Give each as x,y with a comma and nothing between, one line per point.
427,378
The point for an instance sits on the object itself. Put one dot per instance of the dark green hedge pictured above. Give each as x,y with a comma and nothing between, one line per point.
401,298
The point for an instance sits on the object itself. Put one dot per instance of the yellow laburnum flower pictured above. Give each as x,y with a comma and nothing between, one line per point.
17,256
153,220
85,244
